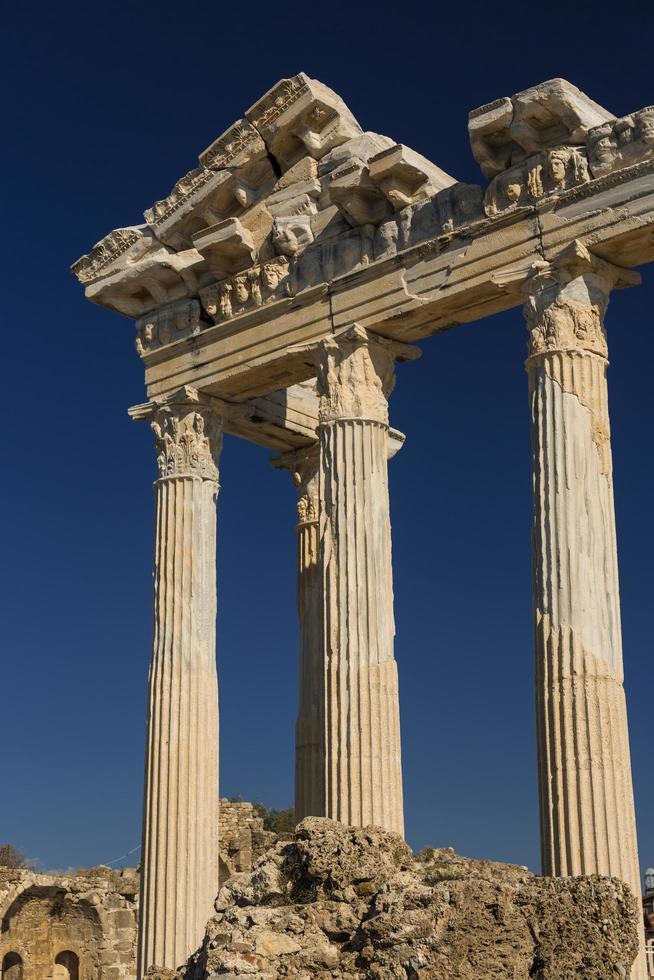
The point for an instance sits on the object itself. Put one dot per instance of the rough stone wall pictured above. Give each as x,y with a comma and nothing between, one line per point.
68,927
94,914
242,838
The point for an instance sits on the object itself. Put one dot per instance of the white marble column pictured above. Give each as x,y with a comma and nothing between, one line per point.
363,772
309,727
587,806
179,879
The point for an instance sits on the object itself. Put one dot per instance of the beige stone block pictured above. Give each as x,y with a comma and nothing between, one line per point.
405,177
356,196
227,246
552,113
271,944
300,115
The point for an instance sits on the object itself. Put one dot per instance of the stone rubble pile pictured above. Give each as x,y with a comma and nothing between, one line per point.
346,902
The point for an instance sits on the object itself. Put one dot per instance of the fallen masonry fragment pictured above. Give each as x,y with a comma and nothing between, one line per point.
274,289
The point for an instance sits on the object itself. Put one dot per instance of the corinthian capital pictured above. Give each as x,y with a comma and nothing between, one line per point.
188,430
302,464
565,301
356,374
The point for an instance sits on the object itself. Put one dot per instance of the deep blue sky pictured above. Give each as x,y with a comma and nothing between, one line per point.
105,107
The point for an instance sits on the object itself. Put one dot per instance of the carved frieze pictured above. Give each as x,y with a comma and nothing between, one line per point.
460,205
325,261
622,142
167,325
344,199
242,293
449,211
542,175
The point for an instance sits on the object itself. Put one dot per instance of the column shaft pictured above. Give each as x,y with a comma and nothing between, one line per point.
587,807
363,774
309,729
362,721
180,820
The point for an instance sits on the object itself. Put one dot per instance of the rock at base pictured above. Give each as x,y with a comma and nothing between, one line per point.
343,902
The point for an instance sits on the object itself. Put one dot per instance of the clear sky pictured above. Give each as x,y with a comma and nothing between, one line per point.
105,106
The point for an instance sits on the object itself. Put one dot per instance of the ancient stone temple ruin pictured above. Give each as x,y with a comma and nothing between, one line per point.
274,290
78,926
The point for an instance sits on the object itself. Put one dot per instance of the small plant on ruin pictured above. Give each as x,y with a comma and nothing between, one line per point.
11,857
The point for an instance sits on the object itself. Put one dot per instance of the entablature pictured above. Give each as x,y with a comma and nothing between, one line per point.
297,223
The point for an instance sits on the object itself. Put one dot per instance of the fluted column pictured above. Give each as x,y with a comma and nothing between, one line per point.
363,772
180,820
309,727
587,806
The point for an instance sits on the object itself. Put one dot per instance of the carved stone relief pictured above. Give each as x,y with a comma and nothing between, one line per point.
292,234
132,242
565,305
343,199
508,130
355,377
188,440
621,143
167,325
255,287
539,176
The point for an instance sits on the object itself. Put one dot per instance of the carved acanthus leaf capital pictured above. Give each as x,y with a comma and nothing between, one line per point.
188,430
356,374
302,464
565,301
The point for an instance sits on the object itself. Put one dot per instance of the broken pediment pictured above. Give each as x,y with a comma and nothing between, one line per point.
300,116
553,113
132,272
233,172
164,326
